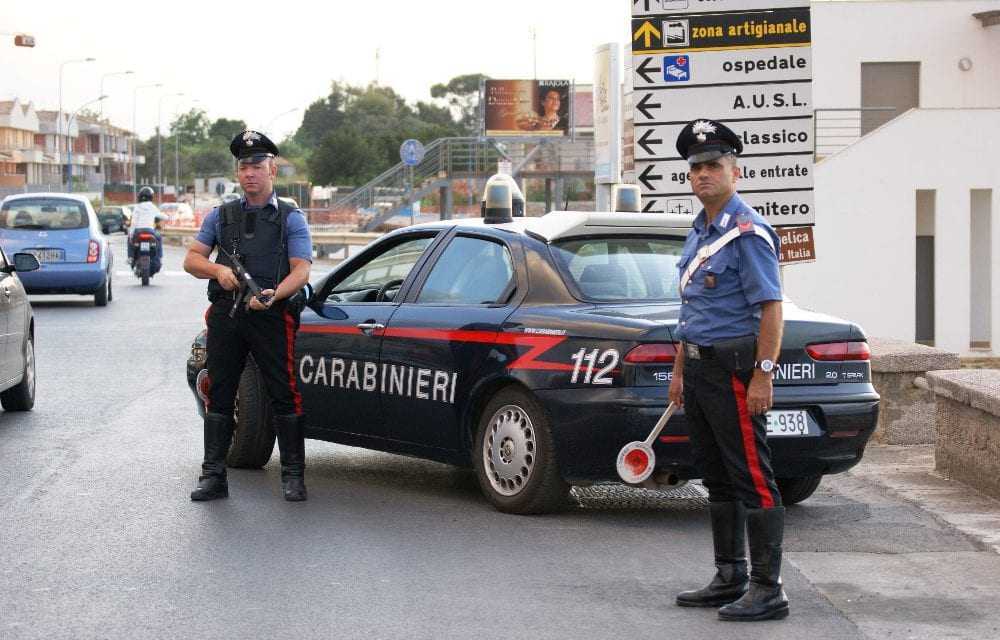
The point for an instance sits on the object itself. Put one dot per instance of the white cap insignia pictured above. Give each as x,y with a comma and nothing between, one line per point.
250,137
701,128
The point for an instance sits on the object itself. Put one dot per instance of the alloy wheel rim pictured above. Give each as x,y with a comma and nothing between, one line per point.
509,450
29,367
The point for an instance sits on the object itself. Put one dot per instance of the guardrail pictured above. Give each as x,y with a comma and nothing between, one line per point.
351,238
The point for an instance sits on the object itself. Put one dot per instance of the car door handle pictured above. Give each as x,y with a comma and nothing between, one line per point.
369,328
6,291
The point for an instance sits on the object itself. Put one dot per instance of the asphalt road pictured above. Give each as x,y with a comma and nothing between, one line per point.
98,538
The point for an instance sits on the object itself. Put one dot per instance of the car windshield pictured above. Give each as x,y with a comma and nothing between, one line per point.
43,213
621,269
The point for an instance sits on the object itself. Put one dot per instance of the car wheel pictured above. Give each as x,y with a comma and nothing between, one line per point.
253,440
514,455
22,396
101,295
795,490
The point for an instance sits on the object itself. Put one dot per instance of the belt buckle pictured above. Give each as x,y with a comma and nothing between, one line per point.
692,351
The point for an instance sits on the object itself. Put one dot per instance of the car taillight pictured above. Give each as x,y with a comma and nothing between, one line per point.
146,236
653,354
839,351
94,251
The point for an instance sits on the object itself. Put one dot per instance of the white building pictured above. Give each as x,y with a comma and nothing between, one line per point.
908,216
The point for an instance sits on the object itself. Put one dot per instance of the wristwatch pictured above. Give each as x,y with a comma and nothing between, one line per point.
767,366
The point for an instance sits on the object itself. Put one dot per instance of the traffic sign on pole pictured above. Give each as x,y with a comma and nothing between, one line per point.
745,63
411,152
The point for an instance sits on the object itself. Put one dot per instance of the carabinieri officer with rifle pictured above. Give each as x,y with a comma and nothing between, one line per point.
264,257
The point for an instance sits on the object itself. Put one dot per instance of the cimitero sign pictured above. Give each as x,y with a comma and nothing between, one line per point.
744,63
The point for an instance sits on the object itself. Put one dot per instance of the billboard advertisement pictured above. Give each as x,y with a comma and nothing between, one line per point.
528,108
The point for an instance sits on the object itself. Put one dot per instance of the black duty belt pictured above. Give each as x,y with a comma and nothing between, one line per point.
696,352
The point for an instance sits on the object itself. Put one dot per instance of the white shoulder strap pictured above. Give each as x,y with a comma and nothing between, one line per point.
710,250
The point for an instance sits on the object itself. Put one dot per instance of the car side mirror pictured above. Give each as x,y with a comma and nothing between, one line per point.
25,262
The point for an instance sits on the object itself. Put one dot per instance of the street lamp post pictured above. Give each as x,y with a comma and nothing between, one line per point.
177,155
69,125
159,138
60,114
104,180
267,127
135,134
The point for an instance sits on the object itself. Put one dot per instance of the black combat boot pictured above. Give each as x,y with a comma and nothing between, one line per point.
218,436
766,599
728,537
292,447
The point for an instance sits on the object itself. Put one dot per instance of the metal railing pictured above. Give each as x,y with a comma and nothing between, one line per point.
835,129
443,158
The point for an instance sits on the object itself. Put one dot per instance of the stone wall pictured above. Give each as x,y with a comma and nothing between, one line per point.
968,427
907,409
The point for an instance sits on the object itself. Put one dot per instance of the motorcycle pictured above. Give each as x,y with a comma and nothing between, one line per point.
145,255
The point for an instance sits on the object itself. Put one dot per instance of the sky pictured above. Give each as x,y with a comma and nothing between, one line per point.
257,60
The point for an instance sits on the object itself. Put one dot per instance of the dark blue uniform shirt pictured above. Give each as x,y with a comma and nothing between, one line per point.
745,274
299,239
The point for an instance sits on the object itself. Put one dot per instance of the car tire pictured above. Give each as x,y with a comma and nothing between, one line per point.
111,293
514,455
101,295
795,490
21,397
253,439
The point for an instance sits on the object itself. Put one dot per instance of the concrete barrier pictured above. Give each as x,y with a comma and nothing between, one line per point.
907,411
968,427
183,235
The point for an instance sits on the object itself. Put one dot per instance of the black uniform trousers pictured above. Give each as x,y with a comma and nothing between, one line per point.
729,445
269,336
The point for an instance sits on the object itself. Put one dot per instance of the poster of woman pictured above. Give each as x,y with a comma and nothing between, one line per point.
527,107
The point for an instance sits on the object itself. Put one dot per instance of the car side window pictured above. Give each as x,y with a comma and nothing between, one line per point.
385,272
470,271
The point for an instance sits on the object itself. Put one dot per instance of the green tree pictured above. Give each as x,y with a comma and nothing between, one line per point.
191,126
462,95
321,117
344,157
224,129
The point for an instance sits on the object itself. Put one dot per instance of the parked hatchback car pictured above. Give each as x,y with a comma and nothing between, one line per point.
115,218
62,231
177,212
532,351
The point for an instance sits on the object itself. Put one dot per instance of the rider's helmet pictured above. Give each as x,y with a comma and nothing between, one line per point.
146,194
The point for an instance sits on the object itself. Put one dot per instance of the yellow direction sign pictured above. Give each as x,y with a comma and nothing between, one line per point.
647,31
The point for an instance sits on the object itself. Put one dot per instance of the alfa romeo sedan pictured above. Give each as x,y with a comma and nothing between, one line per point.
532,351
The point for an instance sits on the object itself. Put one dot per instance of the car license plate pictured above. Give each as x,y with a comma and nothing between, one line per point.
143,246
791,424
48,255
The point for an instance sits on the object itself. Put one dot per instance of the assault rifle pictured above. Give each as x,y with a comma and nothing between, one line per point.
246,282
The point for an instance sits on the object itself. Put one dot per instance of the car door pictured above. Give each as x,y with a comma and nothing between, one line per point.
9,295
443,333
341,334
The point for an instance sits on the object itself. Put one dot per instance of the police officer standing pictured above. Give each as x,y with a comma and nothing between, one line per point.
730,326
270,238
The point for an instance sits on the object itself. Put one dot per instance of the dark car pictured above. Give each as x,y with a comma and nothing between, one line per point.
114,218
533,351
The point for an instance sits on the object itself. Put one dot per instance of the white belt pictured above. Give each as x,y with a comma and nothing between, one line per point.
710,250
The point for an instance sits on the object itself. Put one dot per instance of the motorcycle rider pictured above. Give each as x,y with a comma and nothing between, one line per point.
146,216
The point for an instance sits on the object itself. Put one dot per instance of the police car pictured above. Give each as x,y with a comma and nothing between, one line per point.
533,349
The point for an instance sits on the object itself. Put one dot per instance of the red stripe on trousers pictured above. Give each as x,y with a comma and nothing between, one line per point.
750,445
290,357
